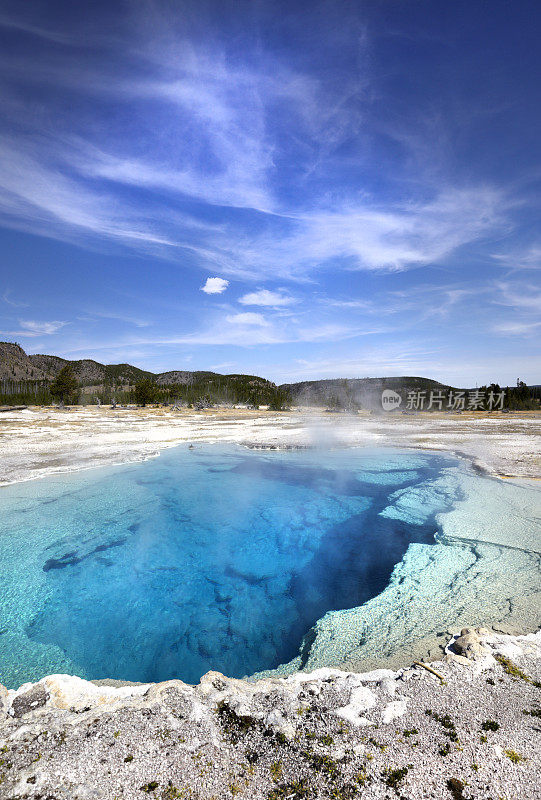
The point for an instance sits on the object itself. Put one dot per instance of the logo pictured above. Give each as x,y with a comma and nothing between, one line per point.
390,400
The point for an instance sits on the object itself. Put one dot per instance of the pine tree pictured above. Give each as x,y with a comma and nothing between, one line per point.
146,391
65,387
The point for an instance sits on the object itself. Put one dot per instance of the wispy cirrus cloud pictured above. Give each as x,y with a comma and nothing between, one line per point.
7,298
225,127
364,236
245,330
116,315
247,318
39,197
16,23
523,303
31,328
521,296
36,328
180,141
520,258
266,297
517,328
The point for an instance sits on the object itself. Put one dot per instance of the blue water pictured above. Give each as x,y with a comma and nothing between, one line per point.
206,558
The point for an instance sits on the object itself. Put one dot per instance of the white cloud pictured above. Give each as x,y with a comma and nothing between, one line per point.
519,328
224,121
361,305
42,198
39,198
137,321
6,297
247,318
36,328
359,235
264,297
525,301
523,258
520,296
30,327
215,286
246,329
363,236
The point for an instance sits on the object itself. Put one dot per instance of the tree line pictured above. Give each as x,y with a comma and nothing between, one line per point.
209,391
206,390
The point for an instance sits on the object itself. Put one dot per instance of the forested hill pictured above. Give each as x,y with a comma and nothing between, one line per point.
23,377
356,392
16,365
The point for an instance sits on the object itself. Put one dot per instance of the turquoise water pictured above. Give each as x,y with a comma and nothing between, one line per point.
206,558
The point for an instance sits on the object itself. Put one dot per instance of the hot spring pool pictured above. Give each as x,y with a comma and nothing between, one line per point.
214,557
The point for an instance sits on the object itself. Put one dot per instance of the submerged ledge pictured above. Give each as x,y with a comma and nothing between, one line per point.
468,724
477,570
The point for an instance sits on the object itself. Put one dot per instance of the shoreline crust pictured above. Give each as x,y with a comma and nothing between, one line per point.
39,441
466,723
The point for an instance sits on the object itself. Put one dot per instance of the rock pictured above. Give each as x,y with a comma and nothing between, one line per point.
312,688
361,699
3,702
469,645
393,710
70,692
389,686
276,722
454,658
34,698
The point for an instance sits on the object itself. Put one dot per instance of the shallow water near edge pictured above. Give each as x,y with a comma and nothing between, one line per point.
214,557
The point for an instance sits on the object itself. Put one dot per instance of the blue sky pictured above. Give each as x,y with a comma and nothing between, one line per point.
297,190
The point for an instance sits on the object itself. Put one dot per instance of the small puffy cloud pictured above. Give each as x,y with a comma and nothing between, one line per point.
247,318
215,286
264,297
34,328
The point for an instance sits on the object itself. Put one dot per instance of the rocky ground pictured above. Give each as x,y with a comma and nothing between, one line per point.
469,731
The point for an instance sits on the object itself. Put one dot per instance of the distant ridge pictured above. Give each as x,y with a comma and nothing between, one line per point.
361,392
16,365
23,375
